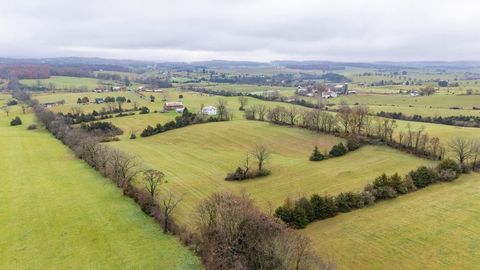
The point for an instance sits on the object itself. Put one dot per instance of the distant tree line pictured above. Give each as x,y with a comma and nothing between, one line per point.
44,71
266,97
155,82
460,120
354,123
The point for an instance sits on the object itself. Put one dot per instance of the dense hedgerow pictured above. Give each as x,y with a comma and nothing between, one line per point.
187,118
299,213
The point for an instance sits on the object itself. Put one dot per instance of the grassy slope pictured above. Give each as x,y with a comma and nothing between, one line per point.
434,228
57,213
197,158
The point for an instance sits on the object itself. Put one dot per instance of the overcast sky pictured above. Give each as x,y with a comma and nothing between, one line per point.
259,30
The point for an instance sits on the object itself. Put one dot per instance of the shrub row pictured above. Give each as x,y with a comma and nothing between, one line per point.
187,118
299,213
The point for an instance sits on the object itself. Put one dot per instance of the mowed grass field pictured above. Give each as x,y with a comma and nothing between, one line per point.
65,82
58,213
434,228
197,158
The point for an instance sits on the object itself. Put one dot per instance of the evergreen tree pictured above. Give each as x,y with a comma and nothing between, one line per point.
316,155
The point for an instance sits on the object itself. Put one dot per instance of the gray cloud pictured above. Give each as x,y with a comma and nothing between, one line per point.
188,30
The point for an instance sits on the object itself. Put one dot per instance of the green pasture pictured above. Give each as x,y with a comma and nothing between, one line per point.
197,158
65,82
433,228
58,213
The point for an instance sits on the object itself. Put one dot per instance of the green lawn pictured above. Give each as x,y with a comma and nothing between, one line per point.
434,228
197,158
58,213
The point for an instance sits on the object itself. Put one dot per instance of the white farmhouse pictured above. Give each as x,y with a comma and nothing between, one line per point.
209,110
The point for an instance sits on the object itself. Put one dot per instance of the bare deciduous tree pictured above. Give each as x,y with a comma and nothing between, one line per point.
222,109
262,111
262,154
168,203
344,115
462,148
153,179
122,168
292,114
243,102
6,109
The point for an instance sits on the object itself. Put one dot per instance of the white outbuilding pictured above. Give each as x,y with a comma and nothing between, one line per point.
209,110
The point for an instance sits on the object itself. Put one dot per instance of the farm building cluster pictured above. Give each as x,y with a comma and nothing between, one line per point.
328,91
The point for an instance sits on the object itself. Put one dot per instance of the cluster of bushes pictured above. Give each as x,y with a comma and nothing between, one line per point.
16,121
460,120
12,102
337,150
104,129
242,174
299,213
144,110
187,118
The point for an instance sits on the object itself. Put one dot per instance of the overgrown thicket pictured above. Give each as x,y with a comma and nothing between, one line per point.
298,213
460,120
354,123
236,235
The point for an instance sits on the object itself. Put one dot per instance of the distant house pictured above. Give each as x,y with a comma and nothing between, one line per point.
209,110
170,106
414,94
329,94
99,100
116,88
158,91
49,104
179,110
